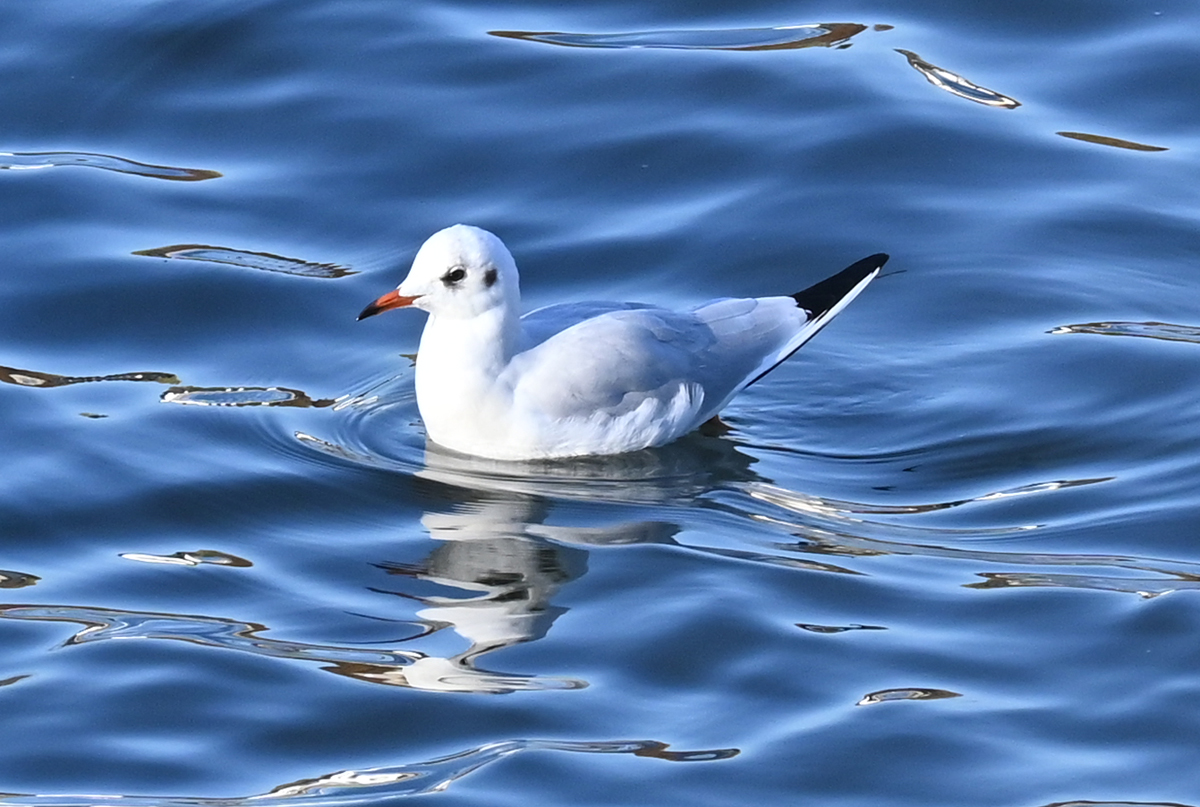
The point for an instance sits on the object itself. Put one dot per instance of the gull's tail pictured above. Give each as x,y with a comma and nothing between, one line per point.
822,301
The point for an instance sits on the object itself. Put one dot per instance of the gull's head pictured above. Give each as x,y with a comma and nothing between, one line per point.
459,272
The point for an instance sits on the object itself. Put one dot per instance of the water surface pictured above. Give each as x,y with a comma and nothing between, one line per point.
945,555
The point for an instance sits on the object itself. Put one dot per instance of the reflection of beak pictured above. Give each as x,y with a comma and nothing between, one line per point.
393,299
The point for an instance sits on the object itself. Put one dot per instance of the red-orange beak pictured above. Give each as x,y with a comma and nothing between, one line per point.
393,299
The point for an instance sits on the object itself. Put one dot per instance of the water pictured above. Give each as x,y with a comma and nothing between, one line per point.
945,556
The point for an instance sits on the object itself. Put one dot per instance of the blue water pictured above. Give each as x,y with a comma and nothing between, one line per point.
947,554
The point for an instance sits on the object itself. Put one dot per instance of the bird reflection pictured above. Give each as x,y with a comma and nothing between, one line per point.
495,568
497,565
508,578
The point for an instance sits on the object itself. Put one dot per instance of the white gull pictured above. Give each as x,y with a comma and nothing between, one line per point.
578,379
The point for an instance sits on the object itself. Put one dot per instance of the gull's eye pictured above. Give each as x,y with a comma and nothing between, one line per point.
454,276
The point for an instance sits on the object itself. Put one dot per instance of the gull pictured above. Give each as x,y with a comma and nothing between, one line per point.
587,378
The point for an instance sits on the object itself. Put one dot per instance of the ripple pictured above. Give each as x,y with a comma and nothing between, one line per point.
1147,330
785,37
955,84
851,512
54,159
338,451
1144,587
1115,142
381,434
781,561
906,694
33,378
375,428
844,535
497,499
369,786
404,668
264,261
503,499
243,396
1175,575
495,503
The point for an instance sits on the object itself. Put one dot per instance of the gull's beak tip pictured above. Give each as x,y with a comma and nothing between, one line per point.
393,299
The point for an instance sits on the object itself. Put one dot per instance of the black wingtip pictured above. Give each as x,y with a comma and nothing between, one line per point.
820,297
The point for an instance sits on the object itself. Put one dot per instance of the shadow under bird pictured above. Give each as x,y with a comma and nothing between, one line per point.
579,379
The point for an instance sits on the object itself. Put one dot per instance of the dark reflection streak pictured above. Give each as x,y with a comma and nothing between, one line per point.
906,694
789,37
17,579
1115,142
955,84
836,628
32,378
48,159
1146,588
193,558
1147,330
370,786
246,259
1117,804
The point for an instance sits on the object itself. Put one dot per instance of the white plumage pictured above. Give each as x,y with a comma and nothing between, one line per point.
585,378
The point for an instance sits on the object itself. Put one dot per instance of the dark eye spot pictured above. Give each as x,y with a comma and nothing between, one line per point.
454,276
489,277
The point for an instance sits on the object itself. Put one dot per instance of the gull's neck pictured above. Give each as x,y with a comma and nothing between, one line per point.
458,369
484,343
